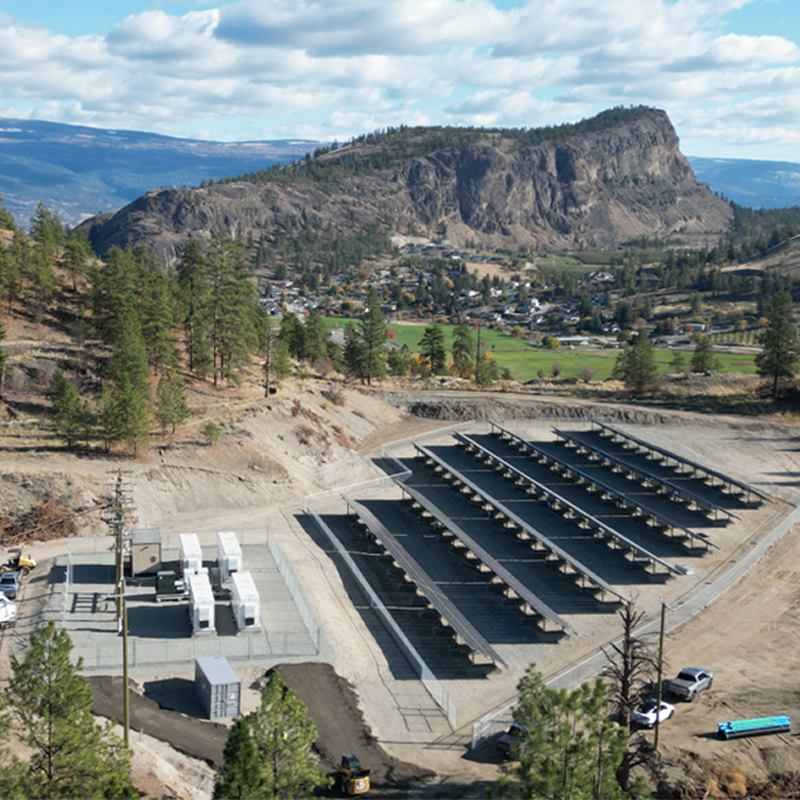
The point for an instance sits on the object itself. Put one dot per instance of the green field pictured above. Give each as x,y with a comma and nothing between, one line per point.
525,361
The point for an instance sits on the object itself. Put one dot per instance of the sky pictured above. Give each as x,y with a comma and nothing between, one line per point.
726,71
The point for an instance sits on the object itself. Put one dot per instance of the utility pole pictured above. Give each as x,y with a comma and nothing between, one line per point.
118,518
478,350
664,608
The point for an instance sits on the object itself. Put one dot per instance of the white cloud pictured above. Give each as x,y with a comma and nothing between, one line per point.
340,67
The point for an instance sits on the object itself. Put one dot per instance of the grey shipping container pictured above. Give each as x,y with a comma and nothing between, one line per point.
217,687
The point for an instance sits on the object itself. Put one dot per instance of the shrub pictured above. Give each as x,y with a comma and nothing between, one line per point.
211,433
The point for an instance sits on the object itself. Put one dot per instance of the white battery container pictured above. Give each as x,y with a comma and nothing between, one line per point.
229,554
201,602
245,601
191,553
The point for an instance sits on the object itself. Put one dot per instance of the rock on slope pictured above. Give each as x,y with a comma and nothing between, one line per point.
577,189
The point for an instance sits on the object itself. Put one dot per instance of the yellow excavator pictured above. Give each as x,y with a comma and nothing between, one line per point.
350,777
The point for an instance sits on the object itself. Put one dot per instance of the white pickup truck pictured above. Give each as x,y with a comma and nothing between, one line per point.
690,682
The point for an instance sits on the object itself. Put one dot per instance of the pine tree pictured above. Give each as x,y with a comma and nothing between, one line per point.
281,364
778,357
353,354
171,408
129,357
3,359
315,336
9,276
463,350
193,301
47,230
232,333
570,747
114,287
76,255
431,348
485,372
6,218
72,757
703,359
131,415
636,365
373,336
67,409
293,333
158,319
240,777
284,736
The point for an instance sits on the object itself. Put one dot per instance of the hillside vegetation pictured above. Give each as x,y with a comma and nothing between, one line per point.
596,184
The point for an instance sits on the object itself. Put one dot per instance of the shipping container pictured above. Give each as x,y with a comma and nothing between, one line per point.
245,602
191,553
229,554
217,687
201,602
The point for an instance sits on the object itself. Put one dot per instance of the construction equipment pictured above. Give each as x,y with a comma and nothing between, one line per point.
17,561
350,778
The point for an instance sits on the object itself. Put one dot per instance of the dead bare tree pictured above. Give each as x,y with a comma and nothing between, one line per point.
632,664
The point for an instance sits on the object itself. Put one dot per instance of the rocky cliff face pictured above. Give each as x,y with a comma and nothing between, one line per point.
584,191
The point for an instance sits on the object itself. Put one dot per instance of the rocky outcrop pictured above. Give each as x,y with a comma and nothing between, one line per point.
584,191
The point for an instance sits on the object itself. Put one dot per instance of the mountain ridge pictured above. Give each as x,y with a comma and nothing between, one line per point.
584,187
76,170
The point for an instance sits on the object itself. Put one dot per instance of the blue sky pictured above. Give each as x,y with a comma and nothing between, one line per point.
726,71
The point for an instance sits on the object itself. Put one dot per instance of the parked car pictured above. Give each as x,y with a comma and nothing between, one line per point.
9,583
511,743
645,715
690,682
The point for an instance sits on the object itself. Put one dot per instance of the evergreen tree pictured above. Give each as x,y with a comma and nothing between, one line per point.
129,358
114,287
131,415
353,354
41,279
636,365
570,747
171,408
678,361
373,336
71,756
315,336
193,301
485,372
240,777
463,350
778,357
399,361
47,230
10,280
284,736
76,255
293,333
7,222
703,359
3,359
158,319
431,348
281,364
67,409
232,333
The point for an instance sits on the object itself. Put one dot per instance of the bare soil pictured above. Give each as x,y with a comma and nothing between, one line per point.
317,435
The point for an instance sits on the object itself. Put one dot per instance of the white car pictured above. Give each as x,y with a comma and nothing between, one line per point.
645,715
